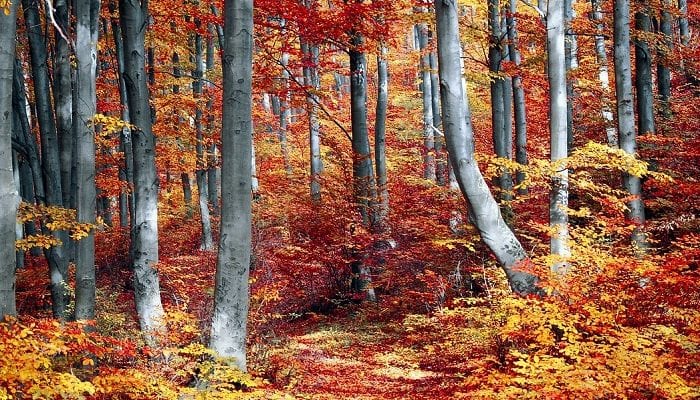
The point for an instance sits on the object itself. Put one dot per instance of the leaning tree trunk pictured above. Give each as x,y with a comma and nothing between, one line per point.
456,121
231,296
558,118
87,13
9,197
643,75
625,112
144,243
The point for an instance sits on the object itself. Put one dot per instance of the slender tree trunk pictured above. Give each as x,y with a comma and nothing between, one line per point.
559,195
456,121
201,173
502,139
664,48
125,144
603,75
427,96
441,162
212,156
285,107
311,81
683,22
519,106
625,112
133,14
9,197
187,194
63,98
51,166
571,62
380,137
643,76
87,13
364,188
231,296
19,228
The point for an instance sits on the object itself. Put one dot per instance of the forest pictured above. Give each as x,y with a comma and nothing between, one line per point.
356,199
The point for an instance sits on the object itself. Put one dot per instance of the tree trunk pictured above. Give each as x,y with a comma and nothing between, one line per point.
201,173
285,107
363,175
133,14
664,48
502,141
63,98
187,194
427,96
50,160
571,62
625,112
312,82
212,156
125,144
603,75
456,121
683,26
231,296
441,162
559,195
380,137
9,197
87,13
643,76
519,106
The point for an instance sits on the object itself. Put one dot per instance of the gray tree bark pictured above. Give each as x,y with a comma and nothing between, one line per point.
285,107
126,171
500,119
144,244
310,53
380,137
603,75
683,22
207,242
63,98
9,197
625,114
456,121
643,75
664,48
50,160
441,162
429,168
558,119
87,13
519,106
231,296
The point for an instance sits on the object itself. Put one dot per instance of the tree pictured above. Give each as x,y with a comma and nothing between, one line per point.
556,71
429,168
603,76
625,114
87,13
56,256
519,106
144,241
380,136
456,121
8,192
231,297
643,75
664,47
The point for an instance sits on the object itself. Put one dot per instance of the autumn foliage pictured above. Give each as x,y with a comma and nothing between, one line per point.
618,325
